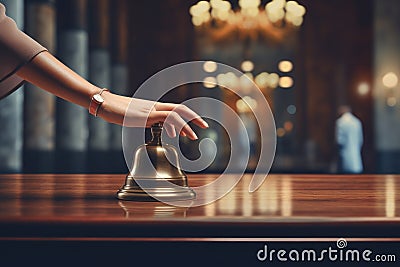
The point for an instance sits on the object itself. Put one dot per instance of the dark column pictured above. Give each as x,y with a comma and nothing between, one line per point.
99,74
72,120
39,113
119,77
11,109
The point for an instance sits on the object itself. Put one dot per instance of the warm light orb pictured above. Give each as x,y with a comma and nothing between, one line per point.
247,66
194,11
246,82
390,80
222,79
225,6
273,80
209,82
288,126
210,66
249,15
286,82
275,11
285,66
294,13
215,3
241,106
262,80
363,88
297,21
251,102
391,101
280,132
203,6
246,104
197,21
232,80
249,3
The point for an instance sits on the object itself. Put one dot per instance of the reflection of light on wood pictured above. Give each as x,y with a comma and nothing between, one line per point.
75,190
390,197
18,187
11,193
210,209
267,200
247,204
286,195
227,204
164,211
40,188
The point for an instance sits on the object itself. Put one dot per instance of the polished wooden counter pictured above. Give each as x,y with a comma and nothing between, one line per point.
84,207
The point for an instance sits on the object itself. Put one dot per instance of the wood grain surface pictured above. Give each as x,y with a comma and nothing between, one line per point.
285,206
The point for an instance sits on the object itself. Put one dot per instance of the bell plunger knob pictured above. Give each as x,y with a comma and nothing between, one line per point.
156,130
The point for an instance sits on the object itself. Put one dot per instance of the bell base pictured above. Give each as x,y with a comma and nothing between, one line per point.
143,196
132,191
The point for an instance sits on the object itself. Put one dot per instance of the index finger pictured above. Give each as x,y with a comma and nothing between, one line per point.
183,111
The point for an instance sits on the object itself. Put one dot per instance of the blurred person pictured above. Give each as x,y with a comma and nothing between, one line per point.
349,139
23,59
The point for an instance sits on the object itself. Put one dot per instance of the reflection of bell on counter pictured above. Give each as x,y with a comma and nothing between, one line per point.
153,176
151,210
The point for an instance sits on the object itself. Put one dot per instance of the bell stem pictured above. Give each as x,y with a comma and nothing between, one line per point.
156,130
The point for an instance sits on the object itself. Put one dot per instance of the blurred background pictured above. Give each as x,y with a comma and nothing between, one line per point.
308,58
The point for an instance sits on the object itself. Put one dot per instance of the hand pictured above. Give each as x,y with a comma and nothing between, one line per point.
134,112
49,73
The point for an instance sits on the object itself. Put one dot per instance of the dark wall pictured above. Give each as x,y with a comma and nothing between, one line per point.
161,35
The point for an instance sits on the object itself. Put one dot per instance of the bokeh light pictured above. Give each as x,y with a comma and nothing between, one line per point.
209,82
390,80
291,109
285,66
247,66
391,101
210,66
280,132
285,82
363,88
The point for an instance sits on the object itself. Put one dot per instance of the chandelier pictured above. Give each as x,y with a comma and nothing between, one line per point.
250,19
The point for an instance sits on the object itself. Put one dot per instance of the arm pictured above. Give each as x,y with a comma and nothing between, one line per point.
48,73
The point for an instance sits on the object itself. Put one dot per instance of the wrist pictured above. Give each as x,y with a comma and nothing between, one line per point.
96,101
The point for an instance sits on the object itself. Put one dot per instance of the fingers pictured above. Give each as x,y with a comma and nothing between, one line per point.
172,118
183,111
170,129
171,132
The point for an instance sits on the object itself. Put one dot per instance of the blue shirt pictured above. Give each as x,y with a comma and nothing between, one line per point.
349,137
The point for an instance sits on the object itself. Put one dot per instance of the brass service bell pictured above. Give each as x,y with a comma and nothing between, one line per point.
156,174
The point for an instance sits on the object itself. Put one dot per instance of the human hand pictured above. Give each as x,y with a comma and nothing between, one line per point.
47,72
134,112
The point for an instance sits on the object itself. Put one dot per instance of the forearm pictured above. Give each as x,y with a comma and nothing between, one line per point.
48,73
